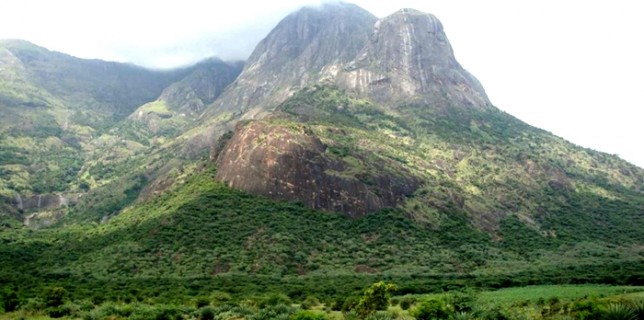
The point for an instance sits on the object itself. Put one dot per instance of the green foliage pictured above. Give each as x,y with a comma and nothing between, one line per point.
432,309
463,301
619,311
10,300
219,297
407,302
55,296
274,299
307,315
201,302
310,302
375,298
207,313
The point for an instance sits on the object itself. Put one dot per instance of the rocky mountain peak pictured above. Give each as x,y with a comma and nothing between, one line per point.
408,58
292,55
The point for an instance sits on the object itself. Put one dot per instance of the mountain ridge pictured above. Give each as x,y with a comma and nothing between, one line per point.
294,172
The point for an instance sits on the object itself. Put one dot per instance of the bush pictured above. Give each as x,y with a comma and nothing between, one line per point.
350,303
618,311
62,310
207,313
406,302
307,315
10,301
33,305
275,299
55,297
375,298
310,302
432,309
586,309
463,301
201,302
381,315
638,308
219,298
277,312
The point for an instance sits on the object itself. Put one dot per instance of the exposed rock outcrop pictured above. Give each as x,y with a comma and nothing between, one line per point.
402,59
409,59
292,164
186,99
31,202
293,54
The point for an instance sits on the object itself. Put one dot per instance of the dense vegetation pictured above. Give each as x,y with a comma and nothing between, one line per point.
502,204
378,301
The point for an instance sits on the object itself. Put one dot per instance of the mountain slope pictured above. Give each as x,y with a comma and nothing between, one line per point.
65,119
382,158
290,55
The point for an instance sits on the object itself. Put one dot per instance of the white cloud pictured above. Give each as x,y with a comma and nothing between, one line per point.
571,67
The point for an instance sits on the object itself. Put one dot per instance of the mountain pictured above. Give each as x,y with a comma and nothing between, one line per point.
293,52
64,116
187,98
398,119
346,149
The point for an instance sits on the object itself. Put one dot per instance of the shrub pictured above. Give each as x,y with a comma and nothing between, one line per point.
219,298
463,301
201,302
274,299
638,308
337,303
207,313
375,298
62,310
33,305
462,316
586,309
307,315
495,313
381,315
10,301
55,297
350,303
310,302
277,312
431,309
618,311
406,302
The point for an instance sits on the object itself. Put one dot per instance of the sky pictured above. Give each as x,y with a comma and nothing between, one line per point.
572,67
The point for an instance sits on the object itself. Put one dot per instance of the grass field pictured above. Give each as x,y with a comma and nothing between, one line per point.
533,294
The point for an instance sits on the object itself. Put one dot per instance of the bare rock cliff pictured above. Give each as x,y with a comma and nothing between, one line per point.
292,164
408,58
292,55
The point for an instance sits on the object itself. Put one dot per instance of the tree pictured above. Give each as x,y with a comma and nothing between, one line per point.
10,301
55,296
374,298
432,309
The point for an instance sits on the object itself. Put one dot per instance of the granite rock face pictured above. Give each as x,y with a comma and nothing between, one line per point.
292,56
200,88
292,164
187,98
399,60
408,59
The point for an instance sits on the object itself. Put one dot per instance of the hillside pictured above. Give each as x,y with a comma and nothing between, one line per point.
65,118
346,150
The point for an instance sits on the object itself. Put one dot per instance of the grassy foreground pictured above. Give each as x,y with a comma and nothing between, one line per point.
376,302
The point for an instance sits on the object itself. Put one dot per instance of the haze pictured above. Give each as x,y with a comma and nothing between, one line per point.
570,67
